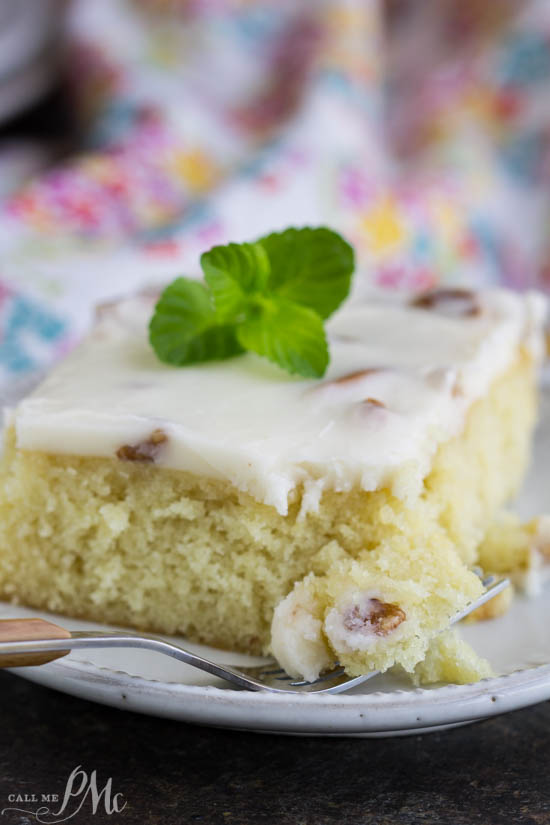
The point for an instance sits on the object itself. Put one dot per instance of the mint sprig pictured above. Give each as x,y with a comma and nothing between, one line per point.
269,297
289,334
186,329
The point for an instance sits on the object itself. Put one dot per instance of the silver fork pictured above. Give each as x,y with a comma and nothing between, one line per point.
31,642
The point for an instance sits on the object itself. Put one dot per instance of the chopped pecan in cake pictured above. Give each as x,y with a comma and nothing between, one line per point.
373,402
146,450
355,376
375,616
456,302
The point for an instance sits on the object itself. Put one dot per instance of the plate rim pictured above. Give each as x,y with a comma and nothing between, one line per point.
382,712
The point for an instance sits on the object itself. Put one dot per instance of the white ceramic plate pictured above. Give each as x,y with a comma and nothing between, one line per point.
517,644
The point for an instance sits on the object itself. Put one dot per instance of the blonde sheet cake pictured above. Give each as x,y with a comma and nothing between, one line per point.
321,520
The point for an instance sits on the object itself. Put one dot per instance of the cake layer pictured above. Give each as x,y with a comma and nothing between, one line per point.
132,543
402,377
388,603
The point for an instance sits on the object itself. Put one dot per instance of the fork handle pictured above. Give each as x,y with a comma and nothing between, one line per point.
30,630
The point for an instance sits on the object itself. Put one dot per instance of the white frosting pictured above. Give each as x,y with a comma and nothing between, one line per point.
247,421
296,636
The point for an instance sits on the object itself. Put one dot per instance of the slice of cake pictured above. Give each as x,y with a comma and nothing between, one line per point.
220,499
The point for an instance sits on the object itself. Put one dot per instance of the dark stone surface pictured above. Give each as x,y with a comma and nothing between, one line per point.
493,773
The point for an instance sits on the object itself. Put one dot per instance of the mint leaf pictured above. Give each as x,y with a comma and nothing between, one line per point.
234,272
312,267
185,327
269,297
290,335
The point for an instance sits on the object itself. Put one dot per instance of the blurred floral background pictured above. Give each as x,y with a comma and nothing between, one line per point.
134,134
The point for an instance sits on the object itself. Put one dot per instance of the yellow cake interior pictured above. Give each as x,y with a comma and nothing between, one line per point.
133,544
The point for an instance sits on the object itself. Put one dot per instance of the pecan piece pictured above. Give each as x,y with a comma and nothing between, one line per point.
144,451
373,402
354,376
377,617
456,302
